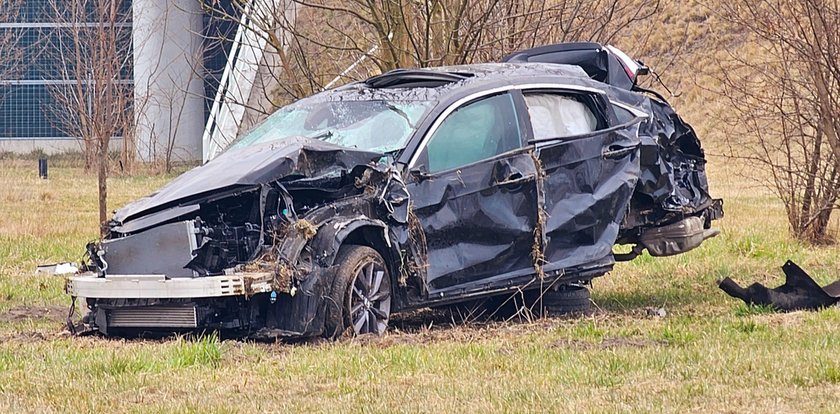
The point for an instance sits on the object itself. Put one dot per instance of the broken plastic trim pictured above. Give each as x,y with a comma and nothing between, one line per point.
799,292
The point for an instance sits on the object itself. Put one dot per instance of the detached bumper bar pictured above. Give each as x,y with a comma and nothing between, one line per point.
90,285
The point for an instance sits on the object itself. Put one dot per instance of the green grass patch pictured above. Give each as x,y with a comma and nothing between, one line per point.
710,353
743,309
204,351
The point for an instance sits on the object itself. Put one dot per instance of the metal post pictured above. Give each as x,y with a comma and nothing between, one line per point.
42,168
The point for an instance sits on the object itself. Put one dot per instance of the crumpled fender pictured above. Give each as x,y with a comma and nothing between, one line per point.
331,236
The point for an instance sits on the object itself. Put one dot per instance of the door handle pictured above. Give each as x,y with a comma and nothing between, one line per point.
618,151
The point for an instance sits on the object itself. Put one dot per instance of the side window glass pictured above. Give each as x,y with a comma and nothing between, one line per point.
623,116
474,132
558,116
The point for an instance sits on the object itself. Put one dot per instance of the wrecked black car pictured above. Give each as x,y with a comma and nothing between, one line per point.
414,188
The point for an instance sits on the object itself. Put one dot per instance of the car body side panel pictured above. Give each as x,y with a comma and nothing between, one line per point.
476,224
586,196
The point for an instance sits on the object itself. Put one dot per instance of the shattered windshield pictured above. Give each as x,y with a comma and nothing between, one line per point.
376,125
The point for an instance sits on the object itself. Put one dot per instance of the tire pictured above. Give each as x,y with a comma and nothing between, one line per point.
360,296
567,300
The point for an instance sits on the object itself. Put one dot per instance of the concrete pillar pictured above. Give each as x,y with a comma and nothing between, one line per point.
168,87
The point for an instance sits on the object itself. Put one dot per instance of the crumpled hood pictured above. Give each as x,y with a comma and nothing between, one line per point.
254,165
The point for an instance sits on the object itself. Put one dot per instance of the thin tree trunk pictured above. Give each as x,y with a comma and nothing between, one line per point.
102,177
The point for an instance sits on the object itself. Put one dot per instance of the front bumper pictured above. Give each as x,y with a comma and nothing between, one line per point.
90,285
253,304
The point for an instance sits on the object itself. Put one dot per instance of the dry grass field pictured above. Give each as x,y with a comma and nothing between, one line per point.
709,354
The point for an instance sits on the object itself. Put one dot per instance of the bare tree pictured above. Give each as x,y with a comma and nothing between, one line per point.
319,40
91,50
785,101
11,52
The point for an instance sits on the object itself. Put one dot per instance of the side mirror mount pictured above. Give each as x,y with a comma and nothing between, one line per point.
419,172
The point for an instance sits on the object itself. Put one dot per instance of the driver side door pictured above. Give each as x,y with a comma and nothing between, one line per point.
477,197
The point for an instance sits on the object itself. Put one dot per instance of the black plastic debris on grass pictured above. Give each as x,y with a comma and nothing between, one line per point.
800,291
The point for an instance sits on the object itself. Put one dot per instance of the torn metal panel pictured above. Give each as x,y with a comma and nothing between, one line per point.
672,183
799,291
301,314
251,166
478,220
586,196
334,233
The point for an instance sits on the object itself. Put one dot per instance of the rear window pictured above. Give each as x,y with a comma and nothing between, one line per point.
558,116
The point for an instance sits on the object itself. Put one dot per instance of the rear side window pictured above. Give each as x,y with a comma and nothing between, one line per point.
623,115
474,132
559,116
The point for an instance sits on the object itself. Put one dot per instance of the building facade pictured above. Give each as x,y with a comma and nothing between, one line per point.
174,57
29,116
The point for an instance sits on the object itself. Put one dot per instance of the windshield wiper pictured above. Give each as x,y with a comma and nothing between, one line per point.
400,112
324,135
327,135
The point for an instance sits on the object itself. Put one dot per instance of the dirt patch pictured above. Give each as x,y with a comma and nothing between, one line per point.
389,340
24,313
445,330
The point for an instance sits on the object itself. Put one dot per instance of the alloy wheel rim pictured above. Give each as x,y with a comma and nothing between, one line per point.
370,300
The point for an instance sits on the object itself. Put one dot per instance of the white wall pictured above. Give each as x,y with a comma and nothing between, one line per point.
169,90
50,146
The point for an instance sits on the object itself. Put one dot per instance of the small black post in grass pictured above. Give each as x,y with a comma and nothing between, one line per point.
42,167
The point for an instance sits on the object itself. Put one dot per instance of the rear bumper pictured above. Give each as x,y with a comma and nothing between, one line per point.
90,285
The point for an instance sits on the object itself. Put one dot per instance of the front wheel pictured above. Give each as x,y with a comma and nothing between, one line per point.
361,293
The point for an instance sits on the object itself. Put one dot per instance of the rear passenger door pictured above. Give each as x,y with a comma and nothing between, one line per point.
591,163
476,197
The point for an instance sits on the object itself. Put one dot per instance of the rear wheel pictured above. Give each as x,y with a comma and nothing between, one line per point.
567,299
361,293
563,300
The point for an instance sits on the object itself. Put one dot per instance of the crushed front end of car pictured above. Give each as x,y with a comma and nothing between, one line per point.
244,244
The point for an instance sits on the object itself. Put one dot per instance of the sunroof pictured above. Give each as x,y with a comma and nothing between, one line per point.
415,78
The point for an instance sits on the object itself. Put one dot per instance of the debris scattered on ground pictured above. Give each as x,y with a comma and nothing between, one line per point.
56,269
656,312
799,292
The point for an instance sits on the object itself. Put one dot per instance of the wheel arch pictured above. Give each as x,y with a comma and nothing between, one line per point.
361,231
